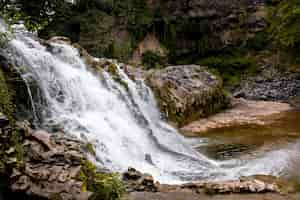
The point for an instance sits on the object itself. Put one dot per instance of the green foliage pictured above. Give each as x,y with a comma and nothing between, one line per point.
121,50
285,23
90,149
95,32
32,13
138,15
258,42
153,60
230,67
105,186
6,105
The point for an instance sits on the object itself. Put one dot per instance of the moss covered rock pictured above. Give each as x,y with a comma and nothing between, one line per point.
186,93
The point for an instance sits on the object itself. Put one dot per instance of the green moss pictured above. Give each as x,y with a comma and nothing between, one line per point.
6,105
16,142
4,38
212,102
112,69
104,186
90,149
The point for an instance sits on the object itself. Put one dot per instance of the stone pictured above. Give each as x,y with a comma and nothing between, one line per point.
132,174
44,138
51,165
271,85
186,93
60,39
243,185
136,181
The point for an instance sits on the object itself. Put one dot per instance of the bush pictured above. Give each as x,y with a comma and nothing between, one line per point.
227,63
105,186
285,23
6,105
230,67
153,60
258,42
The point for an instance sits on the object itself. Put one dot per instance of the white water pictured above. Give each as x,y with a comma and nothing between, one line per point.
124,126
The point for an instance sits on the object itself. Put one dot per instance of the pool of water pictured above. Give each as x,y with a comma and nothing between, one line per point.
280,133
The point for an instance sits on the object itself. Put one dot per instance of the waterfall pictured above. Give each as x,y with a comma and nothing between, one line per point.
124,124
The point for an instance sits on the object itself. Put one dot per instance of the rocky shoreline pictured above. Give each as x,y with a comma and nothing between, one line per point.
40,165
142,186
242,112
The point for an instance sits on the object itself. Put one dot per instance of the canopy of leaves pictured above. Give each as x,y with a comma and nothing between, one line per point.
285,23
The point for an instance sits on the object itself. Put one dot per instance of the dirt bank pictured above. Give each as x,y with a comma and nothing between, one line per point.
243,112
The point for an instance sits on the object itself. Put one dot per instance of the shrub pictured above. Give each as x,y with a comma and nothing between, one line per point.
6,104
285,23
153,60
105,186
230,67
258,42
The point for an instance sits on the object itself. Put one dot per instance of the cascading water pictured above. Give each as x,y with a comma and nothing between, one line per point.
124,124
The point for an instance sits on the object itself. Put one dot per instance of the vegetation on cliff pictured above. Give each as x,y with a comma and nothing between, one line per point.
105,186
6,104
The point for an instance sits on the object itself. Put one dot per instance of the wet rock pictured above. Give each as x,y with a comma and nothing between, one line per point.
60,39
132,174
186,93
3,121
244,185
50,164
136,181
44,138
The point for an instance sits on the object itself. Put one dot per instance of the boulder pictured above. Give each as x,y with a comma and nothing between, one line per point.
137,181
185,93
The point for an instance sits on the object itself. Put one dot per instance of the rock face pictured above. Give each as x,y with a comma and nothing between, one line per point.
227,22
183,26
186,93
49,166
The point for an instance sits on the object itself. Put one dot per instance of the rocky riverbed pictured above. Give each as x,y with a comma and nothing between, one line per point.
142,187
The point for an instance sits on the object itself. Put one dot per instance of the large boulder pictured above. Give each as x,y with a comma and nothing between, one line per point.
186,93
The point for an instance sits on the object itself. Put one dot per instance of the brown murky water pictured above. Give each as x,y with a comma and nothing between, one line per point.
248,142
227,143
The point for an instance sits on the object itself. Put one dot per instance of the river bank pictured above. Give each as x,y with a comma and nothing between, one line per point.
242,112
